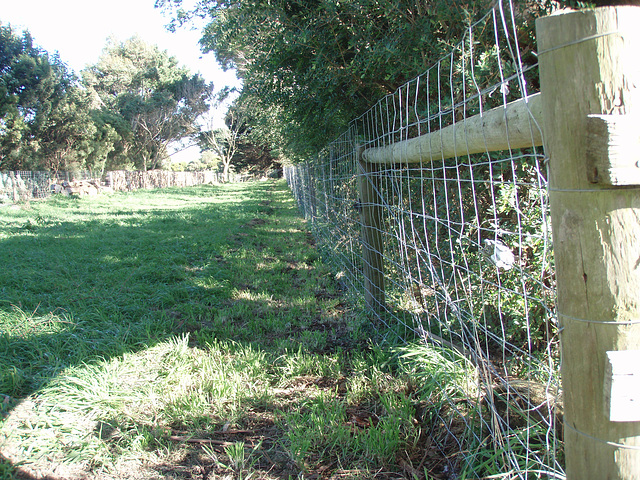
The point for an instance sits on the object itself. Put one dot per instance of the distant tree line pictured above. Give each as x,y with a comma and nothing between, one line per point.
122,113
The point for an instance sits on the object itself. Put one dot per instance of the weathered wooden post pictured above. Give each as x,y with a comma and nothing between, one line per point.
14,183
370,209
589,64
313,185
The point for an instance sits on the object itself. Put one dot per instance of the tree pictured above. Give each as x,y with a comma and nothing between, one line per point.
40,106
46,117
134,102
104,142
65,136
209,160
157,101
314,65
224,141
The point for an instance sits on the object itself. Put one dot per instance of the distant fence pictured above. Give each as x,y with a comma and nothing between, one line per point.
123,180
26,185
434,207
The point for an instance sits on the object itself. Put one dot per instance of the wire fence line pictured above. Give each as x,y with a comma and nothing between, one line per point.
27,185
463,244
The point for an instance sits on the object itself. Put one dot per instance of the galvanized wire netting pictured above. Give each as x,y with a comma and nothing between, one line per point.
465,248
26,185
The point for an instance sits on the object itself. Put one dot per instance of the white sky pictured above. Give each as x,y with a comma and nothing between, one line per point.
78,30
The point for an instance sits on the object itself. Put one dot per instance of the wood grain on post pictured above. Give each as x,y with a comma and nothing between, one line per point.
371,225
613,149
589,65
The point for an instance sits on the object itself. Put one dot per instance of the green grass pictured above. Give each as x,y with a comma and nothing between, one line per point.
184,332
195,333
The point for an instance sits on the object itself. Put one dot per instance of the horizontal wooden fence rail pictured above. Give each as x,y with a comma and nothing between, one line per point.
515,125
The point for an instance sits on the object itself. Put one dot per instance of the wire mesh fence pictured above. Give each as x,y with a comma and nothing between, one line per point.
27,185
464,246
24,185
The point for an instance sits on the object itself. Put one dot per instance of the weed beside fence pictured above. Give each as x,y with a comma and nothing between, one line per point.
455,251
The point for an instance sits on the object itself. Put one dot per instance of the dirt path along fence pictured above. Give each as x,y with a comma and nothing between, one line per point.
436,209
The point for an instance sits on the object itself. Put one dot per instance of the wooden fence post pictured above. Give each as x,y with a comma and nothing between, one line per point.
589,65
14,183
371,220
311,172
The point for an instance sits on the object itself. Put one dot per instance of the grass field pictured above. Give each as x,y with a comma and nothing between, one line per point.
193,333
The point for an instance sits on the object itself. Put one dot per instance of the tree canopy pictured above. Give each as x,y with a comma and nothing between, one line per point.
308,67
124,113
40,112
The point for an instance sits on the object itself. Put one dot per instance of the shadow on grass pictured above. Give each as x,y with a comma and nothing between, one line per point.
107,278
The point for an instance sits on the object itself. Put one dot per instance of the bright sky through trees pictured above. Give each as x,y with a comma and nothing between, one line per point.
79,30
